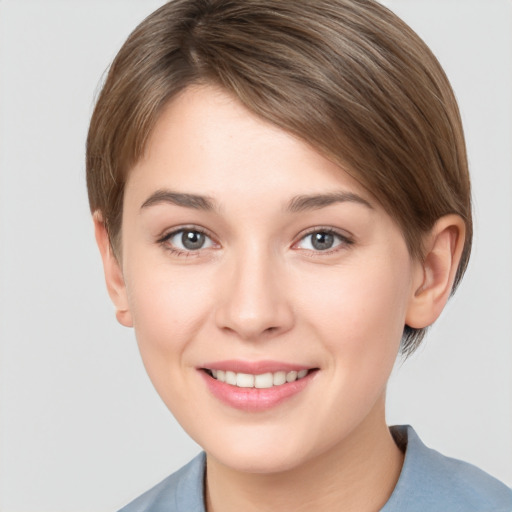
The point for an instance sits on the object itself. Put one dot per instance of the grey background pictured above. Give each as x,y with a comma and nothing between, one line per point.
81,428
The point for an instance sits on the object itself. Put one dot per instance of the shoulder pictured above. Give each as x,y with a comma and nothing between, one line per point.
429,481
180,492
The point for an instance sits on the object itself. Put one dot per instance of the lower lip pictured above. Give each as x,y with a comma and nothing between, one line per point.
255,399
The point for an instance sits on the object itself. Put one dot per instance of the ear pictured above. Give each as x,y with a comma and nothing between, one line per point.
436,273
113,272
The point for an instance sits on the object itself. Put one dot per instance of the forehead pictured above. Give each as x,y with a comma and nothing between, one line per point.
207,140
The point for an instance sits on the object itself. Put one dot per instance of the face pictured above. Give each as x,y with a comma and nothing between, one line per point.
268,290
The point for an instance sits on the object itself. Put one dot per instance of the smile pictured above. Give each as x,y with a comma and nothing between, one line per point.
256,386
260,381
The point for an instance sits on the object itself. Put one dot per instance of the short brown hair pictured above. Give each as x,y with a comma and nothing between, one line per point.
347,76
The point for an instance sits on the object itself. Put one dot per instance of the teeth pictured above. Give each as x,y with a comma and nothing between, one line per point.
231,378
265,380
291,376
244,380
261,381
279,378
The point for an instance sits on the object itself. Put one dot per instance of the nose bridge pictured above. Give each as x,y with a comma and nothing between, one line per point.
254,301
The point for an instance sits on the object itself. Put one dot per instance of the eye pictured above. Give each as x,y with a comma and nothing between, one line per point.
322,240
188,240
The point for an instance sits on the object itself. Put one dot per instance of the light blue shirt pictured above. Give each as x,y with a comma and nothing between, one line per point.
429,482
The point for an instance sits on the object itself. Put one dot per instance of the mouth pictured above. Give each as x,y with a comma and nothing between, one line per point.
259,381
256,387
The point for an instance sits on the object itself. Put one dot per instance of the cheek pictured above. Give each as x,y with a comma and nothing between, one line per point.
358,315
359,309
169,306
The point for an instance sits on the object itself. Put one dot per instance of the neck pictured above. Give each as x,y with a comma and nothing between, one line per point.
359,474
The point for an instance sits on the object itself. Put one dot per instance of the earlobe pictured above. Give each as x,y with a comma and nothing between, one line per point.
436,273
113,272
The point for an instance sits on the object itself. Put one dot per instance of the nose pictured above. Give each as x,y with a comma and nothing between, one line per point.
254,302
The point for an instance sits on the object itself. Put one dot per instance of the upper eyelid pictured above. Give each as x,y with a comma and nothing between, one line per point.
169,233
345,241
345,236
325,229
165,241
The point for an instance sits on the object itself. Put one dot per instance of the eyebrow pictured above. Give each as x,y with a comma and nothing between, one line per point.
317,201
297,204
193,201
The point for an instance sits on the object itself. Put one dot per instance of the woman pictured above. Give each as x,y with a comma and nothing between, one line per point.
282,203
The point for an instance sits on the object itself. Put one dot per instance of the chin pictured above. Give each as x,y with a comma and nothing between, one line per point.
257,462
260,454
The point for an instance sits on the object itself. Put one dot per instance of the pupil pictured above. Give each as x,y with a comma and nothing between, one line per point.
322,241
192,240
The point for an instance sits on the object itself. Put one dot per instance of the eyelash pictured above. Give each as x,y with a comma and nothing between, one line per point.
344,241
165,241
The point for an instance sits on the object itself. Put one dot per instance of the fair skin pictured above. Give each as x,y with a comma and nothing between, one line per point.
245,250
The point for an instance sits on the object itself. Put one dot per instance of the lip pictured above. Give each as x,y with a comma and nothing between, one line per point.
254,367
255,399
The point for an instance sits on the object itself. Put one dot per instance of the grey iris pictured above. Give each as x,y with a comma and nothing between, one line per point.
192,240
322,240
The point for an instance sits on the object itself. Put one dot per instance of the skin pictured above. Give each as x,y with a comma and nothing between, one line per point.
259,290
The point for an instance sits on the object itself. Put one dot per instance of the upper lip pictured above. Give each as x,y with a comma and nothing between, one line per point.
254,367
